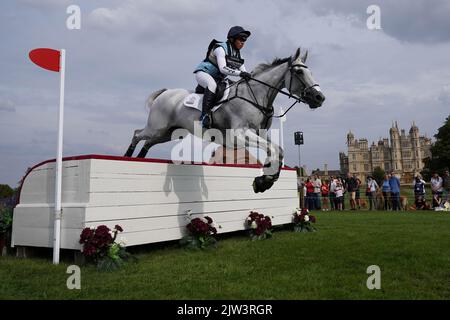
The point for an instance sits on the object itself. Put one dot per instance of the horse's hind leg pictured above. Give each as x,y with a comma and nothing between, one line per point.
153,139
147,145
134,141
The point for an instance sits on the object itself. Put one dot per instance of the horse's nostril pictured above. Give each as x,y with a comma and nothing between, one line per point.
319,97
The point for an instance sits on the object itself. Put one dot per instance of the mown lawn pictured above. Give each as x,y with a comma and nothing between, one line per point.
411,248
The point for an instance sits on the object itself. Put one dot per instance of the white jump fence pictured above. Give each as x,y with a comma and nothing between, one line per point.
148,198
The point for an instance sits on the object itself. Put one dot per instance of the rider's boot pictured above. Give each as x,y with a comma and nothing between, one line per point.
208,100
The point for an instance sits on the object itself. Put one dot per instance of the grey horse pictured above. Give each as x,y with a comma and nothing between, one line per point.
249,111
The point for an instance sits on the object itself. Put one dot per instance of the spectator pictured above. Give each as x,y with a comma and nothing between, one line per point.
445,185
332,194
344,187
339,190
436,189
394,184
357,194
419,193
372,187
386,190
325,194
351,188
317,191
309,199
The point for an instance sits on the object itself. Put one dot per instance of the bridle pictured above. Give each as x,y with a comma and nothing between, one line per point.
270,114
295,75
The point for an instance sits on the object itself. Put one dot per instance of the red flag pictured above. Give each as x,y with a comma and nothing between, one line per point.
46,58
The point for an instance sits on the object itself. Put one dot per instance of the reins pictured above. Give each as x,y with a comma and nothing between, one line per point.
262,108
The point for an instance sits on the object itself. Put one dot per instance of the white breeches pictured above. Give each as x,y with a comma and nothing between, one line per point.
206,81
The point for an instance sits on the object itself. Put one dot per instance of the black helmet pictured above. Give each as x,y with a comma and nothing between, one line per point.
236,31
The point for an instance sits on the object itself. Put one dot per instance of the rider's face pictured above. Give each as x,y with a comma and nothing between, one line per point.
239,43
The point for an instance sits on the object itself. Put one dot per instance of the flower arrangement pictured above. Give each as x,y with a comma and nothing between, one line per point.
201,232
259,225
101,248
303,221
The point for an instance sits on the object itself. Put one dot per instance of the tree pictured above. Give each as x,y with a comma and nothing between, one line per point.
440,151
378,175
5,191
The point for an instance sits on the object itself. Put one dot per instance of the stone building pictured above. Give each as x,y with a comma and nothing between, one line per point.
403,153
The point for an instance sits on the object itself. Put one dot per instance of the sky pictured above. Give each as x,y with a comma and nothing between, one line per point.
127,49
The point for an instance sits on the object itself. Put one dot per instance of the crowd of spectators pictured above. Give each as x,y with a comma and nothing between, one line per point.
329,194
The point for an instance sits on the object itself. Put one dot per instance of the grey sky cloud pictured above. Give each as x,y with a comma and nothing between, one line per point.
423,21
127,49
7,106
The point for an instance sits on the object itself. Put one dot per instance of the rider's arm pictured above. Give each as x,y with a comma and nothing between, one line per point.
221,62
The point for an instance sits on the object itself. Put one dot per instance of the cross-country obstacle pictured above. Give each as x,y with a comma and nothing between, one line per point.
149,198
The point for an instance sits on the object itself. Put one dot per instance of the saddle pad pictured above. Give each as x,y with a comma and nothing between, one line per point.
194,100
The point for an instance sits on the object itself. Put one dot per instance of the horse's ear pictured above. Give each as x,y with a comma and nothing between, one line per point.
305,56
296,55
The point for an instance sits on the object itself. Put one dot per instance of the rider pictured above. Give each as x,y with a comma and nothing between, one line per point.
222,59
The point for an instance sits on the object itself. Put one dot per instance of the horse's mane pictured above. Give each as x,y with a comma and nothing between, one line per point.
264,66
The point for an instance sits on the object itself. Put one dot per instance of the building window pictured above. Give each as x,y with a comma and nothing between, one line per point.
354,168
353,156
366,167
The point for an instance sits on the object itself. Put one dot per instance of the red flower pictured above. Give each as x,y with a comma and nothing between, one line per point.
118,228
89,250
198,227
86,235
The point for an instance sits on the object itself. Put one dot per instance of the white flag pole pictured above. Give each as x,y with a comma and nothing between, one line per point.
58,168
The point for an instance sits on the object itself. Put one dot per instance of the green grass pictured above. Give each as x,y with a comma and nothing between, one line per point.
411,248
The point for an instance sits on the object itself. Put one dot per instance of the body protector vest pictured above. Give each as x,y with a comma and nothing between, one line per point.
209,64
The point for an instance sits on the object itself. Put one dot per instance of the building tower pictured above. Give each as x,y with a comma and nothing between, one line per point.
396,148
416,147
350,138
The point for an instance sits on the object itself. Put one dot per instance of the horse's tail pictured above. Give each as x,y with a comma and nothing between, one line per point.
152,97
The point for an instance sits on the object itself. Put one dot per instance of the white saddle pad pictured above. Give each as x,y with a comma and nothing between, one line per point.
194,100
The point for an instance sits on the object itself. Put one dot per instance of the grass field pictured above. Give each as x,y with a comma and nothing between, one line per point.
411,248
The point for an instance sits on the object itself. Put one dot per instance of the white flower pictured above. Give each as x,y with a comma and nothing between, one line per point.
188,215
253,225
306,218
123,241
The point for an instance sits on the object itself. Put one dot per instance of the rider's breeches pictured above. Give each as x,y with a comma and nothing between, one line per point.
206,81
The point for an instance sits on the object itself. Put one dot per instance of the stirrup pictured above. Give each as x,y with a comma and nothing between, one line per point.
206,121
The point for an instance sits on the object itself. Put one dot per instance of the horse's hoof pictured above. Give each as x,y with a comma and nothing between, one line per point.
258,184
262,183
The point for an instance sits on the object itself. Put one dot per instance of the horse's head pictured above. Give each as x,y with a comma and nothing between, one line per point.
299,81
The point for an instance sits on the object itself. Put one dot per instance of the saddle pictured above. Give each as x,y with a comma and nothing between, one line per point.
221,87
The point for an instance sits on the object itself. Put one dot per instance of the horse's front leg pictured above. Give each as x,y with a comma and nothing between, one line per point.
274,160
